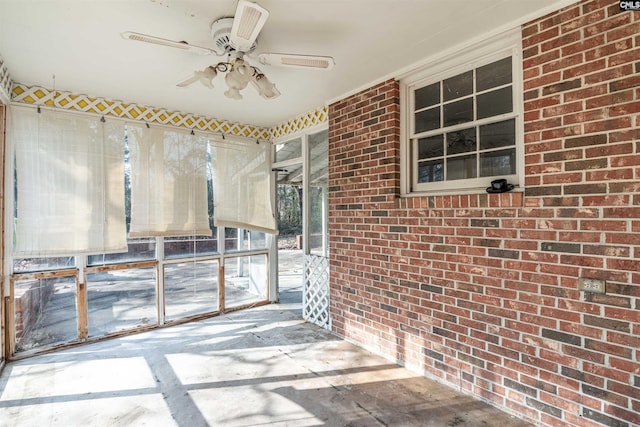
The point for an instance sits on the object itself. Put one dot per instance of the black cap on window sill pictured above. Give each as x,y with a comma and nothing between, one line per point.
499,186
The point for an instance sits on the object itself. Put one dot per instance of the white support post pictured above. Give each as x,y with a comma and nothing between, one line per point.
272,242
221,281
160,300
306,158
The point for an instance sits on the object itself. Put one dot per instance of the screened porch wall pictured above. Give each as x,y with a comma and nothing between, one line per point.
142,252
55,301
54,307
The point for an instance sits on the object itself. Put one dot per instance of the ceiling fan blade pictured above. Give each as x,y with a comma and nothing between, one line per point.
191,80
247,23
298,61
128,35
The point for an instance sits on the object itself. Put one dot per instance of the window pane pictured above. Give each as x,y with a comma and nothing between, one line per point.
318,218
255,240
231,241
190,288
45,312
431,147
462,167
496,163
121,299
289,202
140,249
245,280
319,157
492,75
318,196
461,141
496,102
499,134
189,246
458,86
427,120
458,112
288,150
431,171
427,96
24,265
240,239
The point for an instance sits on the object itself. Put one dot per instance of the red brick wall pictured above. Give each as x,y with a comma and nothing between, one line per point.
481,291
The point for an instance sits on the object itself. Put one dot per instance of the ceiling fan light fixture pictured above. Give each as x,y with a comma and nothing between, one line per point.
207,75
238,78
233,94
265,88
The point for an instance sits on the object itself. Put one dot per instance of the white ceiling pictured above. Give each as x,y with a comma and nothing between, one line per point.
78,42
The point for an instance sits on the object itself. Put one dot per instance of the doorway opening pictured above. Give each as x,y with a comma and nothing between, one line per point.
301,166
290,254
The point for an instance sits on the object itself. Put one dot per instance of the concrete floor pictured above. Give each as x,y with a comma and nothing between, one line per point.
262,366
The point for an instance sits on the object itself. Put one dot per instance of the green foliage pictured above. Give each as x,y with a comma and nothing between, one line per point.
289,209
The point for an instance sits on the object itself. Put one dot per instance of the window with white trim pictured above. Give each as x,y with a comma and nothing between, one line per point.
462,123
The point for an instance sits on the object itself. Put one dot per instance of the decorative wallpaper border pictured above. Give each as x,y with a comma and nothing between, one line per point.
69,101
5,80
35,95
303,121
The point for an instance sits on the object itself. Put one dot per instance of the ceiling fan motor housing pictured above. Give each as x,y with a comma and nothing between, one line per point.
221,34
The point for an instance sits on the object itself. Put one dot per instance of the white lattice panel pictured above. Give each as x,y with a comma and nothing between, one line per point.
315,297
319,115
5,80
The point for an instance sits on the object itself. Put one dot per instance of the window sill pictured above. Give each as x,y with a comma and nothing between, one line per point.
463,200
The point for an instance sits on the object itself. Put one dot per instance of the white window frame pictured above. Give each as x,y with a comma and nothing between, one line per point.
450,64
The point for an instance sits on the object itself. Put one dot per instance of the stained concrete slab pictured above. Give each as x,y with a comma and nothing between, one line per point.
263,366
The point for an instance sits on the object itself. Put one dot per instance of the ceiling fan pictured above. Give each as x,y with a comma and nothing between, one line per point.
236,37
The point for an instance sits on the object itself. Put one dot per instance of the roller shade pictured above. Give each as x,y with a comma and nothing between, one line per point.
242,185
168,182
70,184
